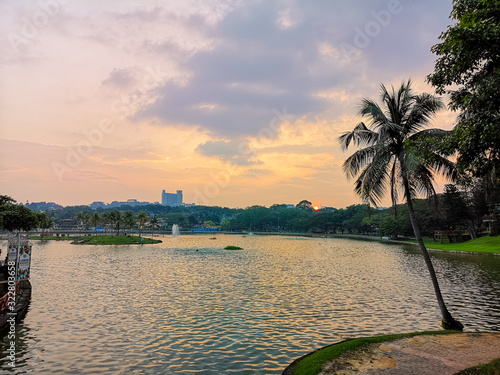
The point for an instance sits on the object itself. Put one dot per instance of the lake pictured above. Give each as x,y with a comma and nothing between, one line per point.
188,306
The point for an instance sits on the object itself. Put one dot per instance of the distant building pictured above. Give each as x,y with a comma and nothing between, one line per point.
171,199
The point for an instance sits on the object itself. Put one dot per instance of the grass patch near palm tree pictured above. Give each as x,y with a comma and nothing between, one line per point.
312,364
487,245
492,368
113,240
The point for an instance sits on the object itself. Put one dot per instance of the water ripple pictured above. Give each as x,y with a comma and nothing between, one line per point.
188,306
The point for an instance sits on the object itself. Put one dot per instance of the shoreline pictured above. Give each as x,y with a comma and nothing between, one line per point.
362,237
411,353
357,237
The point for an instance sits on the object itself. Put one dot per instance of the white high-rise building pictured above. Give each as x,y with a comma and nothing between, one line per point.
170,199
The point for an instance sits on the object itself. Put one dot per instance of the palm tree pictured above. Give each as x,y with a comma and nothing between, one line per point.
394,157
96,220
106,221
116,219
129,219
81,218
44,221
154,224
142,218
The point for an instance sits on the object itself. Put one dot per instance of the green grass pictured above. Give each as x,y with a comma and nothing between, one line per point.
489,245
112,240
312,364
492,368
233,248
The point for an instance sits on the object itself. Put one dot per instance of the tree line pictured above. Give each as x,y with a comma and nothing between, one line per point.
118,220
459,207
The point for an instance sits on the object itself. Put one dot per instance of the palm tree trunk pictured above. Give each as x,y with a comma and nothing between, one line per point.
448,321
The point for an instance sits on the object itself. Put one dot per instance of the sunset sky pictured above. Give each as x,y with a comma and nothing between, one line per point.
234,102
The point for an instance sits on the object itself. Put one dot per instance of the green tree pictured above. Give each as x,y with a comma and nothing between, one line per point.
142,219
129,219
477,204
324,221
5,199
179,218
44,220
353,219
454,207
81,218
116,219
305,205
469,61
389,160
154,222
95,220
389,226
225,223
18,218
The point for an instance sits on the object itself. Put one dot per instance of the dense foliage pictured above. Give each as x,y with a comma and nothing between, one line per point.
15,217
469,62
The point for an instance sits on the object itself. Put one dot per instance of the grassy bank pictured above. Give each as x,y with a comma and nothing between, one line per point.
487,245
312,363
113,240
492,368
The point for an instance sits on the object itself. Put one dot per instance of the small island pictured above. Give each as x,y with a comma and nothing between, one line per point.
113,240
233,248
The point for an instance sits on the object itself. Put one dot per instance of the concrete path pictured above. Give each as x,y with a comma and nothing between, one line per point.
419,355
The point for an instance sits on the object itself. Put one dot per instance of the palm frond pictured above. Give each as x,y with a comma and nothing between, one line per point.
424,108
359,160
389,131
445,167
422,181
369,108
371,184
359,136
397,103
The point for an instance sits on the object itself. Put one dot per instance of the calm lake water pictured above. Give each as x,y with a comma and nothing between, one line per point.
188,306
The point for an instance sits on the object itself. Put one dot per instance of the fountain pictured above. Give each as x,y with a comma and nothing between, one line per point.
175,230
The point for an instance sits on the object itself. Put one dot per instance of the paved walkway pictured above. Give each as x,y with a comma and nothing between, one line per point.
419,355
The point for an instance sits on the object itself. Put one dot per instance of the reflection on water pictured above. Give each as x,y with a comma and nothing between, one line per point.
188,306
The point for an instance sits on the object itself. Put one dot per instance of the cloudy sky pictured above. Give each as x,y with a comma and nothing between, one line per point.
235,102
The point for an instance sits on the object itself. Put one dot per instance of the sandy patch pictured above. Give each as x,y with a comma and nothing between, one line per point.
419,355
